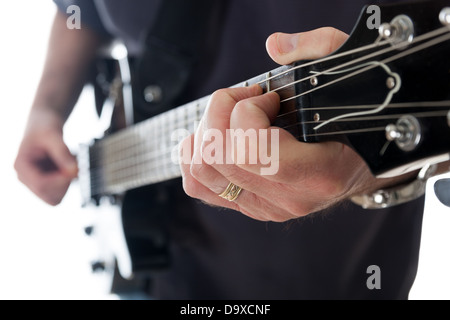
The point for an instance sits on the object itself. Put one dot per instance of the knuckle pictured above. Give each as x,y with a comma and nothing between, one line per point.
196,171
219,95
190,187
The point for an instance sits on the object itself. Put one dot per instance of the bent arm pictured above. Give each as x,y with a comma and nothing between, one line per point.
44,163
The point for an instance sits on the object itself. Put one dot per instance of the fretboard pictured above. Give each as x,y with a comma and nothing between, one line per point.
146,153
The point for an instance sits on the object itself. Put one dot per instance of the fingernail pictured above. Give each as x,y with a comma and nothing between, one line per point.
287,42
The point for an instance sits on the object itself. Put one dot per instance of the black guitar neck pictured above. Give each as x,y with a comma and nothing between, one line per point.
385,93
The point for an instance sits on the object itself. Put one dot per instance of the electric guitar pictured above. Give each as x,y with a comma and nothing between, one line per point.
385,93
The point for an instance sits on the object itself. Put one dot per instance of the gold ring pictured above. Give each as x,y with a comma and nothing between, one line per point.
231,193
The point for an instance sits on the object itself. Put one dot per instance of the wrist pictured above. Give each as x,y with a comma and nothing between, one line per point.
46,118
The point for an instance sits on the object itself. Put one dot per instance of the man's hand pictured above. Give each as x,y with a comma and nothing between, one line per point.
44,163
311,177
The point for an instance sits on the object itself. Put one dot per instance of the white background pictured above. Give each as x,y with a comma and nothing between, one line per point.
44,253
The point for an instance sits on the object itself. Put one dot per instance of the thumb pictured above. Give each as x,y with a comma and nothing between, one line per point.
286,48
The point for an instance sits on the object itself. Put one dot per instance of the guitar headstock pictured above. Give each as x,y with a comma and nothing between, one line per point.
386,91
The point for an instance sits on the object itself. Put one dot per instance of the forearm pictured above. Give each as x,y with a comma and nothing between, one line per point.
69,56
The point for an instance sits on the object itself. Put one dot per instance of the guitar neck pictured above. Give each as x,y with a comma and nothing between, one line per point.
385,95
146,153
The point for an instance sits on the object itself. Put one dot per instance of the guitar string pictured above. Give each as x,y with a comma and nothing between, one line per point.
150,167
155,153
420,38
395,106
149,162
377,43
328,58
166,154
408,52
443,113
399,56
144,177
404,53
385,61
330,70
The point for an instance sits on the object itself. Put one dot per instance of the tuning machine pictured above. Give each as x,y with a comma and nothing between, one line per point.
399,30
444,16
407,133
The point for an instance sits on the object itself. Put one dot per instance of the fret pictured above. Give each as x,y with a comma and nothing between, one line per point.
198,112
85,176
172,125
185,115
162,145
268,77
143,152
158,144
166,143
168,147
191,117
132,168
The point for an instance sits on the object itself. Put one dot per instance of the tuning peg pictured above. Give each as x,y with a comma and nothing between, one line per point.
386,31
399,30
407,133
442,191
444,16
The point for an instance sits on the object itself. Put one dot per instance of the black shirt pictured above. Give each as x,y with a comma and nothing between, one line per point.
218,254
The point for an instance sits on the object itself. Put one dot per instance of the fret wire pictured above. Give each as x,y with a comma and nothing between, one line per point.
151,169
130,147
158,119
127,136
130,161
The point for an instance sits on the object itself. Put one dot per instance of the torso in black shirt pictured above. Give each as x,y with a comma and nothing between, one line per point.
218,254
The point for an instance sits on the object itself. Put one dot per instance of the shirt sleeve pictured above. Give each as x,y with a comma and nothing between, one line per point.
89,14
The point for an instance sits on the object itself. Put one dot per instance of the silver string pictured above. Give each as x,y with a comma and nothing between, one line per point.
122,139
